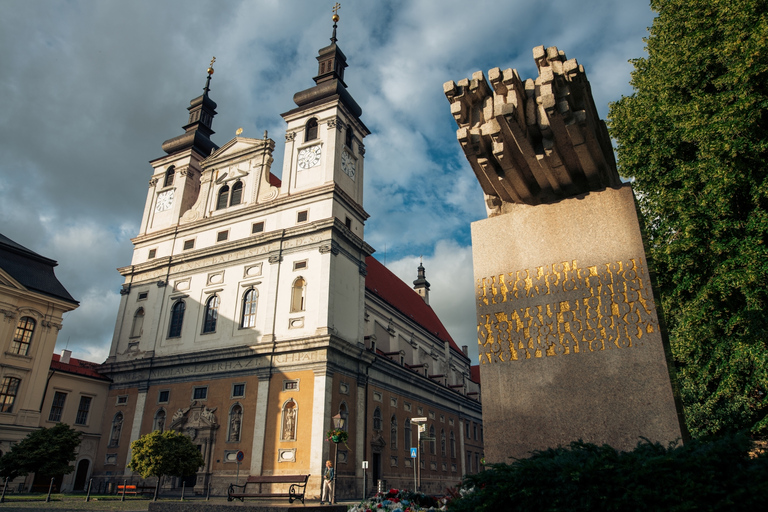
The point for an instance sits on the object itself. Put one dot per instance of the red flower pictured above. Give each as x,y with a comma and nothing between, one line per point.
378,506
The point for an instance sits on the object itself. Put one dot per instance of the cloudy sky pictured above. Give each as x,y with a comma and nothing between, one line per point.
91,89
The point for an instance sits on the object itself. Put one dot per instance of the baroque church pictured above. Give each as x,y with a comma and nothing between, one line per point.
253,313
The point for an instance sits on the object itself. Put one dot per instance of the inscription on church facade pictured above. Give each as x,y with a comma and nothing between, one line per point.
564,309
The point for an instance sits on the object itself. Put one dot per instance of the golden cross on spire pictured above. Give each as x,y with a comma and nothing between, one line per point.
336,8
210,68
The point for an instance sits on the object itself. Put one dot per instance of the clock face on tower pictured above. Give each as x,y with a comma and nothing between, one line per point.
348,164
164,201
309,157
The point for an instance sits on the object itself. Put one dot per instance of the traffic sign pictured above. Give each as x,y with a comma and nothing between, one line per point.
240,456
422,428
414,452
418,420
365,464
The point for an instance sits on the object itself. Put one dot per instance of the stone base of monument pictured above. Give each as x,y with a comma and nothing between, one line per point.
570,342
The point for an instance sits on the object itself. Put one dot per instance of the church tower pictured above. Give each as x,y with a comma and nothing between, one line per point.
243,287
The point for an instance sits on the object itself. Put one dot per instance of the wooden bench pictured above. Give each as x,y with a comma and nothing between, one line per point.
135,489
295,491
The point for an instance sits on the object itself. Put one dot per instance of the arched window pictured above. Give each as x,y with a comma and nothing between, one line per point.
344,415
377,419
235,422
442,442
237,193
407,435
298,295
221,201
432,443
117,427
138,323
159,420
453,445
21,340
289,414
8,391
310,131
169,176
250,300
348,139
393,432
211,314
177,317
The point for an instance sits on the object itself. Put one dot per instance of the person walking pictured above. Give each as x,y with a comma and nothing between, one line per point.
328,478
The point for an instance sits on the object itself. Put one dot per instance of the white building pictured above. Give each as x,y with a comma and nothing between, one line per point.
252,312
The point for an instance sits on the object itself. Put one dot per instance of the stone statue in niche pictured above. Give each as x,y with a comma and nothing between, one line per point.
234,424
289,421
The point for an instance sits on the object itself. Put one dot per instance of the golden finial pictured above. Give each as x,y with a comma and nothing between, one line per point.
239,132
210,68
336,8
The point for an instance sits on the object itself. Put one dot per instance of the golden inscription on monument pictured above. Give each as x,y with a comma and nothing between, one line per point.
563,309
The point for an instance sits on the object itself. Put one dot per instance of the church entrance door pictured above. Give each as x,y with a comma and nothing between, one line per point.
81,475
376,470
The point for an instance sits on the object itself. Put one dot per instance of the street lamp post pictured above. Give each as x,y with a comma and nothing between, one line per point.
339,423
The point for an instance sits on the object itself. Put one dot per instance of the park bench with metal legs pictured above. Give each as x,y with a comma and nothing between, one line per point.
295,491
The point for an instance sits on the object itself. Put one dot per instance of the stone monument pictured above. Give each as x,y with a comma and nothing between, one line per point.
570,341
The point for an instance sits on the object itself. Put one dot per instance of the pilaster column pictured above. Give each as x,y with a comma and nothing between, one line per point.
321,405
260,423
138,414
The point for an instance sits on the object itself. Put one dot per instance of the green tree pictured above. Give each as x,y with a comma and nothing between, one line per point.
693,136
47,452
164,453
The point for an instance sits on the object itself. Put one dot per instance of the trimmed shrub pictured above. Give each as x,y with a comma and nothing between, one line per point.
717,475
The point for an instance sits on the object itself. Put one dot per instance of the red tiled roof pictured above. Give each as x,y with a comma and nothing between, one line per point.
77,366
382,282
474,373
274,180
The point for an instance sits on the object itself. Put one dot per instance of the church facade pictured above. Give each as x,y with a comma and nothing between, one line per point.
253,312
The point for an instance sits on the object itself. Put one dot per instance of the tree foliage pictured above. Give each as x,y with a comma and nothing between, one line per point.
164,453
47,452
693,136
700,476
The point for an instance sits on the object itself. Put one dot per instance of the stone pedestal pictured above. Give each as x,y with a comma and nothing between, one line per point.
570,345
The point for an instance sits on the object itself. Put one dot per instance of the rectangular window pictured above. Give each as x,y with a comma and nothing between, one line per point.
257,227
122,400
299,265
200,393
57,407
222,236
474,430
143,295
163,396
348,223
8,391
238,390
302,216
467,425
189,244
152,253
82,410
290,385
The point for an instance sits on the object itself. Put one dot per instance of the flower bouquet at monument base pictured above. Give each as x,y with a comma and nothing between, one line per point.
403,500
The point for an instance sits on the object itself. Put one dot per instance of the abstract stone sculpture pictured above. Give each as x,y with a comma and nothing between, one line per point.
534,142
570,342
